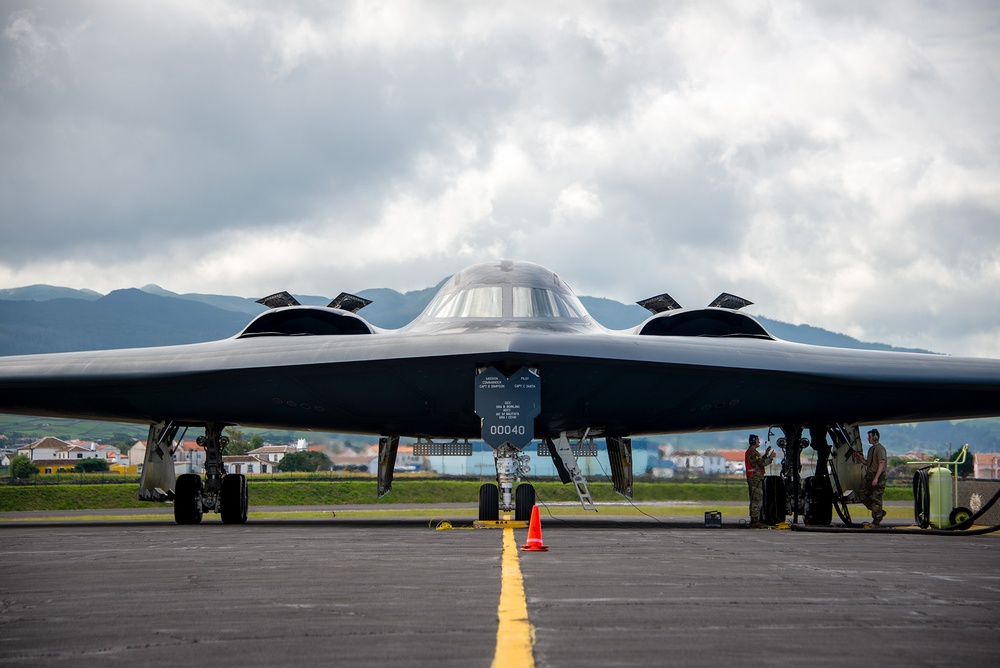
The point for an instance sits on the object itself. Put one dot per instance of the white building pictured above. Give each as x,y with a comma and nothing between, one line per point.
76,452
275,453
247,464
189,457
986,466
45,448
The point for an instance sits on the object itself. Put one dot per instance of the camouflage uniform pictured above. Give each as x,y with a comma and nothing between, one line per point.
755,463
871,495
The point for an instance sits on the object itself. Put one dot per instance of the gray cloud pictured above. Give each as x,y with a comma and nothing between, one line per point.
835,163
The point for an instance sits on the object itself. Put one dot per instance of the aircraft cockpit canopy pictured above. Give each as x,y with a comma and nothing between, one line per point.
506,290
488,302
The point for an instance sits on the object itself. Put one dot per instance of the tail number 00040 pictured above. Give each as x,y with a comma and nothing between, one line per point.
506,430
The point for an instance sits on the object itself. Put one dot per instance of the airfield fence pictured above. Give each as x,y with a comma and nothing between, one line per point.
732,484
68,477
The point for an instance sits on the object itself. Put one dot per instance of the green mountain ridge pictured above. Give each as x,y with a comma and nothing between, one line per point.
391,310
38,293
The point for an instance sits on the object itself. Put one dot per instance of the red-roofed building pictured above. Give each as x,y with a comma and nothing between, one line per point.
735,461
45,448
986,466
353,462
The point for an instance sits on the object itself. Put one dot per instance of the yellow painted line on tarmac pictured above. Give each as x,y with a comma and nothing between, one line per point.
515,634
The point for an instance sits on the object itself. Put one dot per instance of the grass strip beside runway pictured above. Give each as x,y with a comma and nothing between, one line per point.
731,513
362,491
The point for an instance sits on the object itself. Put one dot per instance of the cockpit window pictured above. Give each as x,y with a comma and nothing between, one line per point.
498,301
541,303
484,302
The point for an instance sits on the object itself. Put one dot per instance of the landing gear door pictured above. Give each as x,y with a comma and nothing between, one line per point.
847,439
508,406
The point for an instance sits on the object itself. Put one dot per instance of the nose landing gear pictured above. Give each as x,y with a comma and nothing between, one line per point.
504,496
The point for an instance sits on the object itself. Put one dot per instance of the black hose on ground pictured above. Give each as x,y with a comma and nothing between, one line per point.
885,529
954,530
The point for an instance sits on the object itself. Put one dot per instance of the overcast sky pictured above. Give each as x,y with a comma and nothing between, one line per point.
838,163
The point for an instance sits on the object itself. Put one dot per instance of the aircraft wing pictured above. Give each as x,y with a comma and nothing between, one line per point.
414,383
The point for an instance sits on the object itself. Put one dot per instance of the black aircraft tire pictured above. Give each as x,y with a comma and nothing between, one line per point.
187,499
921,499
489,503
524,501
233,499
959,515
819,501
773,509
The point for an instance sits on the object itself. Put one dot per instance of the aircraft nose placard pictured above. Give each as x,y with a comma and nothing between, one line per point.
508,406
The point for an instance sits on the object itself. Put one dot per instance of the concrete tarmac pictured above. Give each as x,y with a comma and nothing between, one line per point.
609,592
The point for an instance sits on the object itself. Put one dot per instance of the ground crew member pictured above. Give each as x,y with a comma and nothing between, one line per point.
754,464
873,485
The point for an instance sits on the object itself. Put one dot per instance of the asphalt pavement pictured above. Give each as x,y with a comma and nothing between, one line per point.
610,591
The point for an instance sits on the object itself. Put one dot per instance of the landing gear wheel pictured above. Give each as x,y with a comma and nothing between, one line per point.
818,494
187,499
921,499
773,511
524,501
233,499
842,511
489,503
959,515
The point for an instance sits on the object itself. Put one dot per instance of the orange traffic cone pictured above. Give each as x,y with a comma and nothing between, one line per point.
535,543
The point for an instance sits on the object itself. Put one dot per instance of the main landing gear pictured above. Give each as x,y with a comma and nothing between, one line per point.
818,495
222,493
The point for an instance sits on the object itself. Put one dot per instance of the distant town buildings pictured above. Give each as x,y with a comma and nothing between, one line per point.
695,463
53,455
